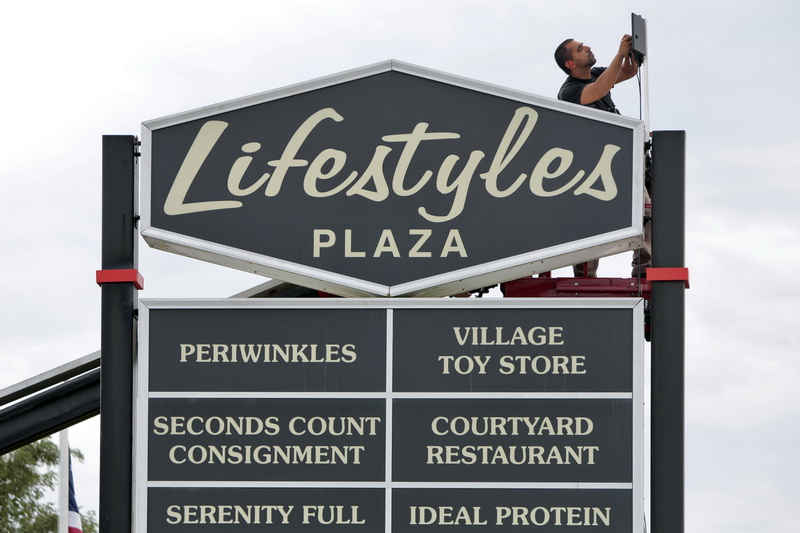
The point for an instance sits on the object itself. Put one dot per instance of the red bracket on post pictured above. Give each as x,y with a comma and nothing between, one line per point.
669,274
130,275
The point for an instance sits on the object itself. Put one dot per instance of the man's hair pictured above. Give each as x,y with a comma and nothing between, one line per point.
563,55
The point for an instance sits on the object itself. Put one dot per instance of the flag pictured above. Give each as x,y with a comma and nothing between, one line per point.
75,525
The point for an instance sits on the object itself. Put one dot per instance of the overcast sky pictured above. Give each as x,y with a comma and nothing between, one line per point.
722,71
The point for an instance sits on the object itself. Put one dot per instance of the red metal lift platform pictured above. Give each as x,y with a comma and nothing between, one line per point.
547,287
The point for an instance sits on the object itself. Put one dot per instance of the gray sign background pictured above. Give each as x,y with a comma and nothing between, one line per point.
364,329
369,468
489,499
611,434
604,339
370,503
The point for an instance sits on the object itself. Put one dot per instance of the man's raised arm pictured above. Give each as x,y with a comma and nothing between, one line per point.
617,70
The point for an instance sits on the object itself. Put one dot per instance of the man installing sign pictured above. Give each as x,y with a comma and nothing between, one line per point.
591,86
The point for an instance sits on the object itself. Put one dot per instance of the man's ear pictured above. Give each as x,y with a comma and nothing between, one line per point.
570,64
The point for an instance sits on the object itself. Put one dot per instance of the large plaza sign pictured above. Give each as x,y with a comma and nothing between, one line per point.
390,415
393,180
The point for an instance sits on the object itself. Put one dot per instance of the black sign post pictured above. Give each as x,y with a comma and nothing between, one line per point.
668,338
118,333
390,415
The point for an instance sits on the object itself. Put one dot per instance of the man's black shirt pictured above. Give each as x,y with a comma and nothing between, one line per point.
573,87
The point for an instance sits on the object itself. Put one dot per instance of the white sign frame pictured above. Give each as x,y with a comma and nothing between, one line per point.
142,394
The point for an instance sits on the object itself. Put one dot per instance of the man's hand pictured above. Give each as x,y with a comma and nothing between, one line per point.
625,46
628,69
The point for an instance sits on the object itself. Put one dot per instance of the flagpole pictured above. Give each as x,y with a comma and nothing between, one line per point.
63,482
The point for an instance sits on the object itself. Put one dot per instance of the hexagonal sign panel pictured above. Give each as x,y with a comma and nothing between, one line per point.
393,180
